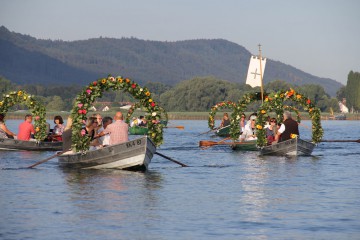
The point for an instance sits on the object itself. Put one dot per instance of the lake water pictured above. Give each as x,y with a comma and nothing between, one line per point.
222,195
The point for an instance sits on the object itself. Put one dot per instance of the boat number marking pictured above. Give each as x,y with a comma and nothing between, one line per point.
133,143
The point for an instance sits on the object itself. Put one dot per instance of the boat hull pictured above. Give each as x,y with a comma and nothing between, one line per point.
245,146
138,130
223,132
14,144
291,147
132,155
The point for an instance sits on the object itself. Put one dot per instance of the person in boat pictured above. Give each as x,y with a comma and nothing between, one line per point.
271,131
118,130
225,121
90,131
58,129
287,128
249,133
135,122
242,123
26,129
104,140
66,136
99,121
142,122
4,131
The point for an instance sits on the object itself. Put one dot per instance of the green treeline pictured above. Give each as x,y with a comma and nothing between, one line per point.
197,94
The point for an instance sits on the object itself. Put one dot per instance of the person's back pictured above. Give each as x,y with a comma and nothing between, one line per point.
26,129
118,130
289,127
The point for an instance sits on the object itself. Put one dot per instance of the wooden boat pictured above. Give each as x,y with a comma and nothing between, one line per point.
223,132
14,144
245,146
132,155
136,130
292,147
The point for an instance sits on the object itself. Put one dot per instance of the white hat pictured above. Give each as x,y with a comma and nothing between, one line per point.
253,117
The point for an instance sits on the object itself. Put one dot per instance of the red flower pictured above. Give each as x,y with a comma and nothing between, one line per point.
133,85
84,111
80,111
152,104
94,83
308,101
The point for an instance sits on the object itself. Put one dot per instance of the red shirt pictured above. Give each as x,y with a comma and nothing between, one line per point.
25,130
118,132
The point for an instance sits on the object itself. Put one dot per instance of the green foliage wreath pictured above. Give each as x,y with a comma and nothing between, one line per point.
275,102
94,90
37,110
215,108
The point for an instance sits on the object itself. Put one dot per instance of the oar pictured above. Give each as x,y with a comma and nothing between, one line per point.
358,141
169,158
47,159
206,147
207,132
212,143
178,127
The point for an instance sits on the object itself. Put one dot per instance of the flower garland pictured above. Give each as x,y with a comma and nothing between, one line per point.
137,105
239,109
37,109
275,102
94,90
215,108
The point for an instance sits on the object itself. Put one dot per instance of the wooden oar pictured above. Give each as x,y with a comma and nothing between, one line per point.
212,143
207,132
47,159
169,158
358,141
178,127
206,147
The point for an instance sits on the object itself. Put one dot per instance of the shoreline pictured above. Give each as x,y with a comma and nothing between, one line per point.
175,115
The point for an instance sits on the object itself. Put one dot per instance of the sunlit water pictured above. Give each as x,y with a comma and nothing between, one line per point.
222,195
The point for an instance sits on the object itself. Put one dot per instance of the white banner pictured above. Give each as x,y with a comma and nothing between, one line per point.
253,76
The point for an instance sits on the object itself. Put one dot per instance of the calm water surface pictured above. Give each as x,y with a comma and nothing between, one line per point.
222,195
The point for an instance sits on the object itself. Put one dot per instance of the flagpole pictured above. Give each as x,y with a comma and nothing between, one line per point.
261,76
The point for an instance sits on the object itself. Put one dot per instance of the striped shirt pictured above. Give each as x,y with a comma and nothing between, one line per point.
118,132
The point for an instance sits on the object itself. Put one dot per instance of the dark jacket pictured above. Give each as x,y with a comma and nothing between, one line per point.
291,127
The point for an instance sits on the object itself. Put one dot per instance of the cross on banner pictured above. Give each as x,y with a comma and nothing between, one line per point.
255,73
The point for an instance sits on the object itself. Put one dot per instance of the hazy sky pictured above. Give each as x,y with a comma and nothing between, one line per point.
321,37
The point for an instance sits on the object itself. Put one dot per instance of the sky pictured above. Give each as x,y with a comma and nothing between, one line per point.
320,37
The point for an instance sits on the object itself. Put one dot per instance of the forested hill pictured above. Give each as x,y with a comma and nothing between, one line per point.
24,59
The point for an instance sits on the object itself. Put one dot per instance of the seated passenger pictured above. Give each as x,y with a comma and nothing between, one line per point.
271,131
4,131
249,133
26,129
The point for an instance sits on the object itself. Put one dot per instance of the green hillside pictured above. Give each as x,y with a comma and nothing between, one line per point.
25,59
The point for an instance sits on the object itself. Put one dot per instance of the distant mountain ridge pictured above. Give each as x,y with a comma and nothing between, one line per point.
25,59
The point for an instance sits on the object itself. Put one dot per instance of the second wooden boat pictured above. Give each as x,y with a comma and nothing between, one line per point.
14,144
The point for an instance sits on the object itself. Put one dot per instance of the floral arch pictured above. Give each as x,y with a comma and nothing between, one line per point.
275,102
94,90
37,110
239,109
135,106
215,108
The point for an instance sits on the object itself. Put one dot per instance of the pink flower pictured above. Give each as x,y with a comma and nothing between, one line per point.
83,132
37,118
88,91
80,105
80,111
152,104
